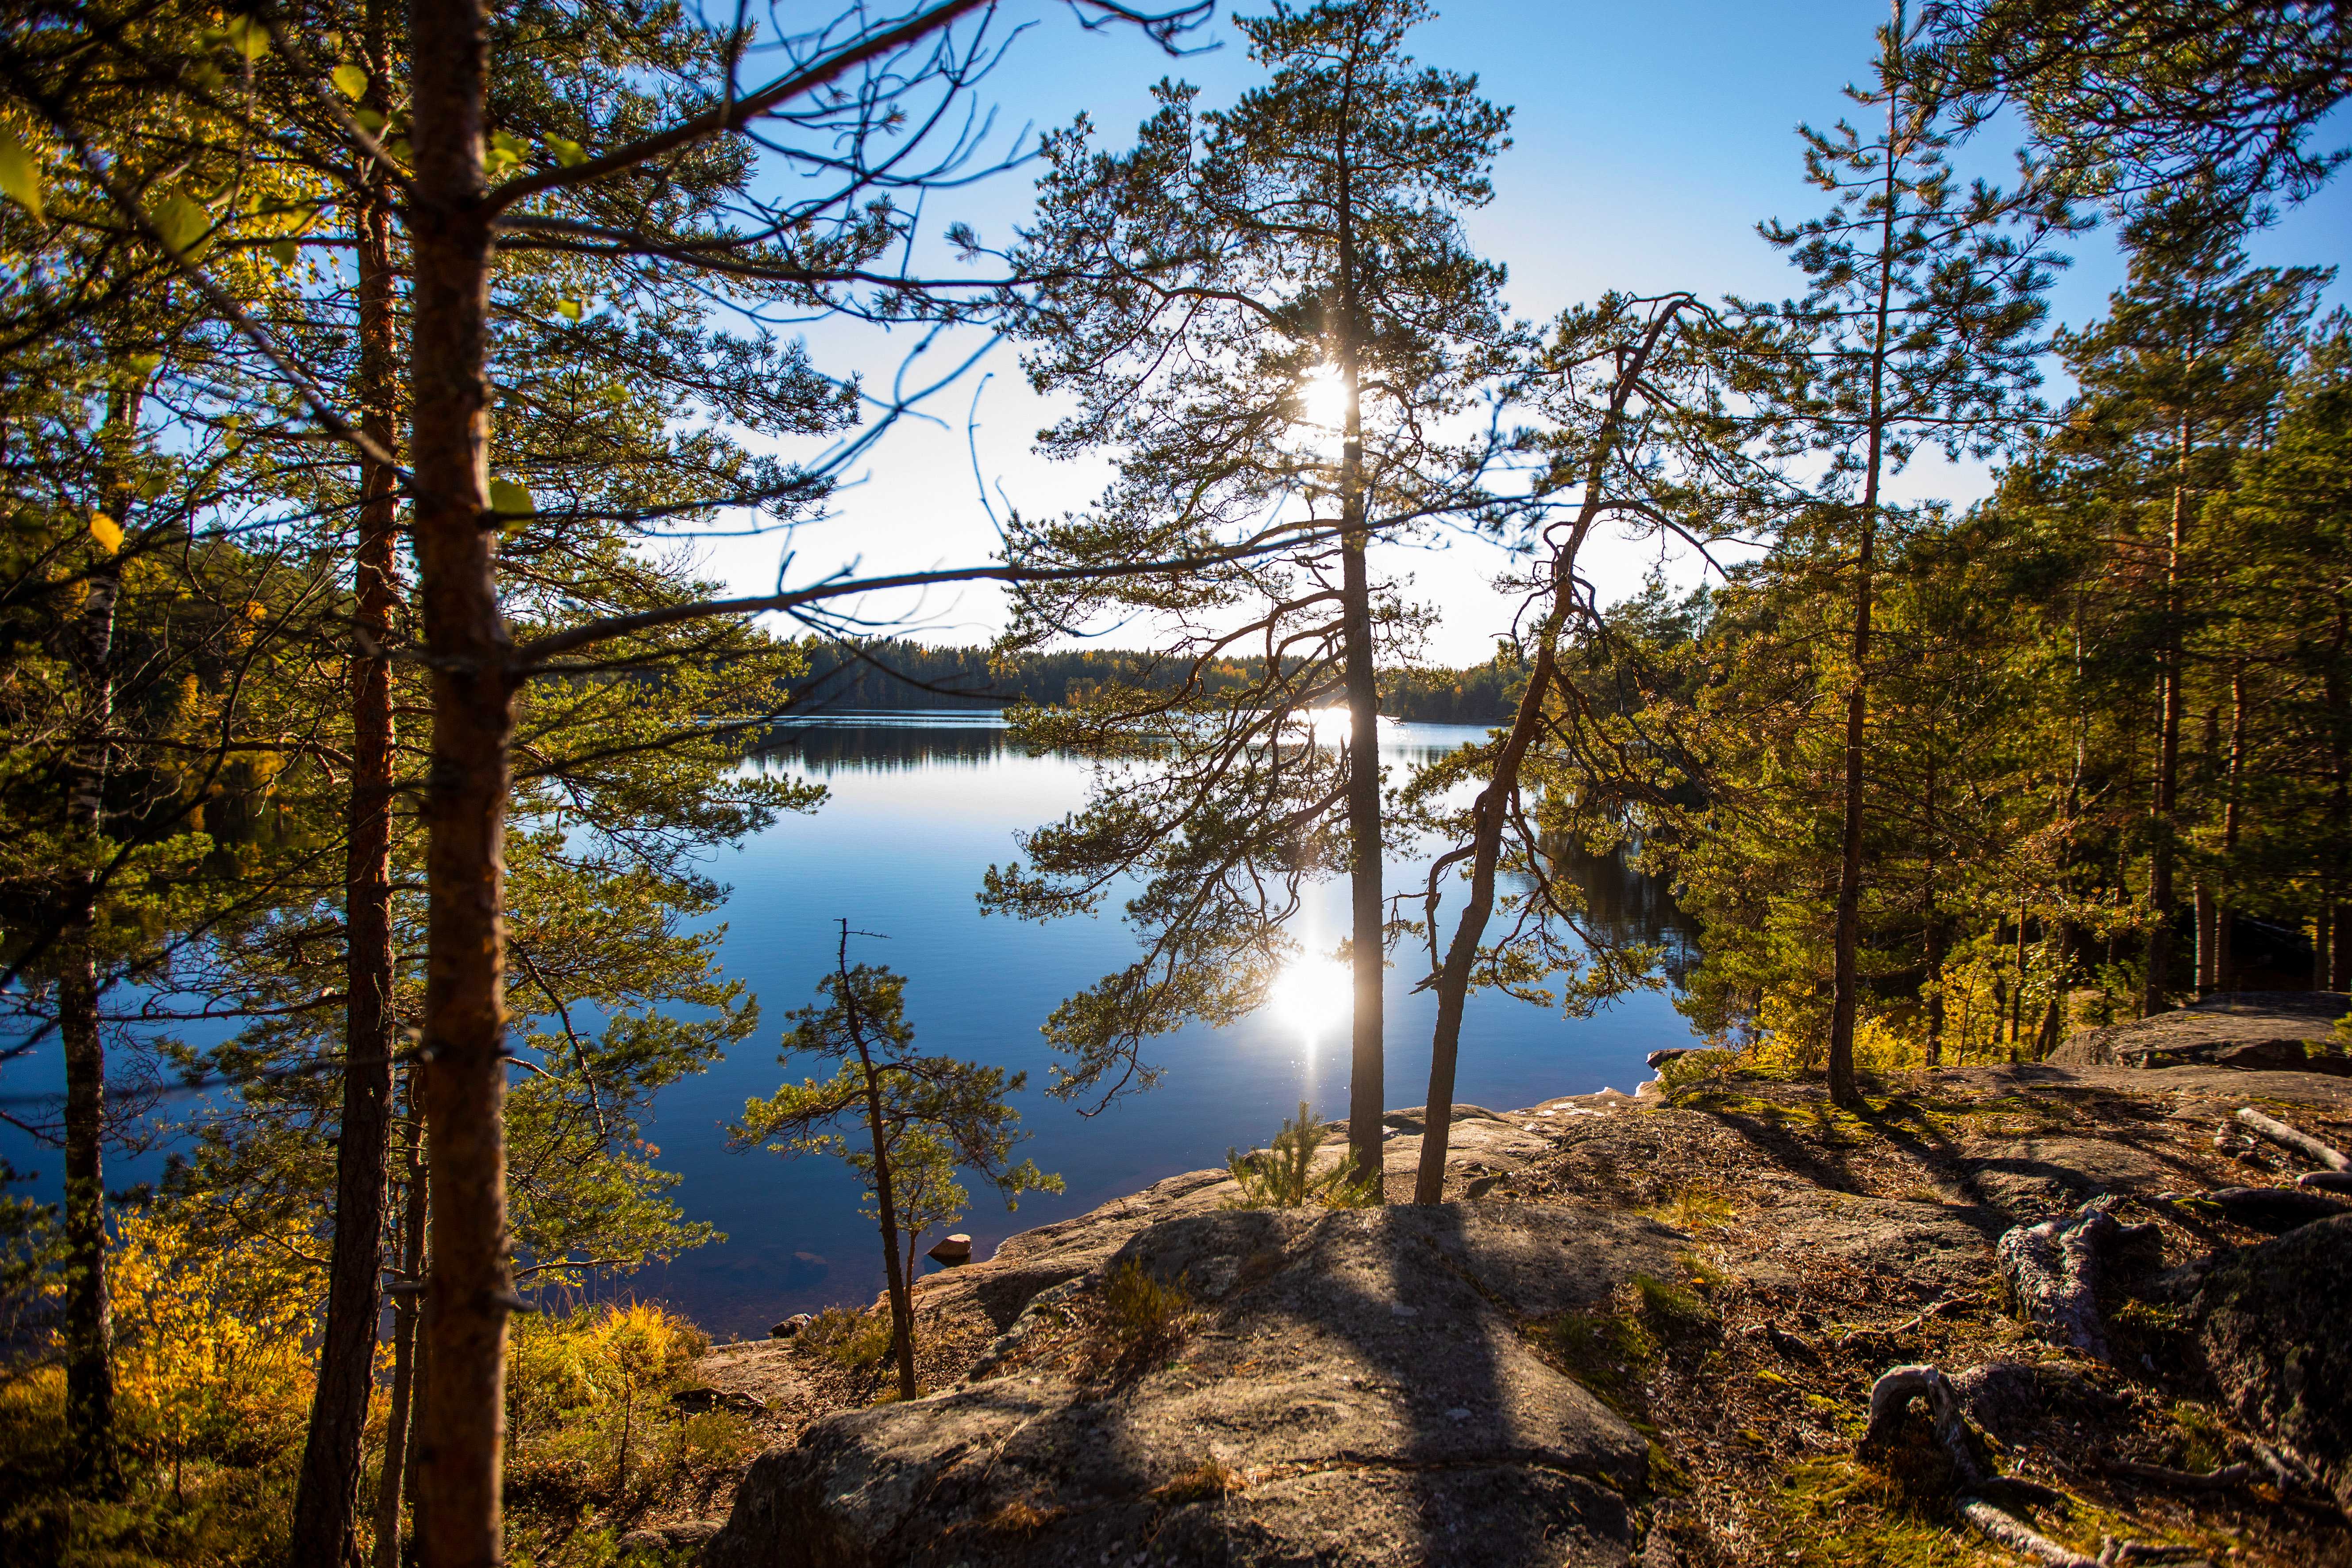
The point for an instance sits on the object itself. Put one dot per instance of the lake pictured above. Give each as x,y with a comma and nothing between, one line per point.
921,805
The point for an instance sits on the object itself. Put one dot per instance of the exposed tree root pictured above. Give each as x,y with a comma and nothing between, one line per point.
2288,1137
2219,1480
2053,1268
2275,1210
1892,1395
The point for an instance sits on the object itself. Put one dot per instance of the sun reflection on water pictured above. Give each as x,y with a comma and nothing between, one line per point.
1311,995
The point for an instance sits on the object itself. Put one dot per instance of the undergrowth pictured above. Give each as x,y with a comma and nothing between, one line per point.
1284,1174
1142,1318
213,1381
853,1340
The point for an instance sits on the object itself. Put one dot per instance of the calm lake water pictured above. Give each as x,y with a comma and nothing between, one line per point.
921,805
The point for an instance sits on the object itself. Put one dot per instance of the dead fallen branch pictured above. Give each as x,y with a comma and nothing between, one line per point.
2004,1530
2226,1476
2053,1268
2288,1137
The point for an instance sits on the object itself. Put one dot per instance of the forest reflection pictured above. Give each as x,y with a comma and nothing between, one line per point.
1625,906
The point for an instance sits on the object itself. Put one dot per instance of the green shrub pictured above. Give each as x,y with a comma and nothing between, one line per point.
1142,1315
1284,1175
855,1341
593,1439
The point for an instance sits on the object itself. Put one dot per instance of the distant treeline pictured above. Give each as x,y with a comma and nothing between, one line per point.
893,674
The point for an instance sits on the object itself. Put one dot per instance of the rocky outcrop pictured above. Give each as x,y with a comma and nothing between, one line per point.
2275,1321
1554,1374
1483,1144
1357,1386
2284,1031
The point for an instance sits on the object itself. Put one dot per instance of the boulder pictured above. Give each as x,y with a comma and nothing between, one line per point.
956,1248
1356,1388
1037,1260
2275,1210
2275,1322
791,1327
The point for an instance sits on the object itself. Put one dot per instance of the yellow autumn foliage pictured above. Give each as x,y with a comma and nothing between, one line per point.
213,1379
214,1371
213,1342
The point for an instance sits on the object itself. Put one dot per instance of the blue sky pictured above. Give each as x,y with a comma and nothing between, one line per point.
1648,140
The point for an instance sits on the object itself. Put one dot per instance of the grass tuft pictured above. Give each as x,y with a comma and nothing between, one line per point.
1141,1315
858,1342
1210,1479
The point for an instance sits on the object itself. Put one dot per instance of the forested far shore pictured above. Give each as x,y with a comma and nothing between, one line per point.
896,673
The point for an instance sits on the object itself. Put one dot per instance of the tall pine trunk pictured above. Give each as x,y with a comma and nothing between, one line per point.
1932,916
1368,936
326,1495
400,1418
2225,918
2332,968
88,1306
1846,996
2160,896
463,1052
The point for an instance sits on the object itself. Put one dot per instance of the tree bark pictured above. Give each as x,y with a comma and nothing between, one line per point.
1368,934
2160,896
95,1461
389,1481
2209,937
2017,991
89,1308
2225,918
1452,981
326,1494
464,1053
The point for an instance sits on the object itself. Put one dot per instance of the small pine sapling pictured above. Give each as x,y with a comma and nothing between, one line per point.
924,1116
1284,1175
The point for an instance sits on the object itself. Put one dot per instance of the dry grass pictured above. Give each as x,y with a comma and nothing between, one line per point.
1209,1480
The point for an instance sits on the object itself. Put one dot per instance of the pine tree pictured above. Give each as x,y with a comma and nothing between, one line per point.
920,1116
1925,302
2192,356
1268,313
2293,577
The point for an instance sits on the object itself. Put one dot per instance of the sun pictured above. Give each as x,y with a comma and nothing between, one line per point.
1312,992
1323,398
